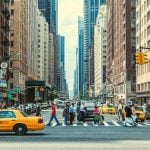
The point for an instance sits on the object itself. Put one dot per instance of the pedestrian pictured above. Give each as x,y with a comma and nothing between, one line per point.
96,113
53,115
66,114
134,117
120,107
4,105
78,107
0,105
38,111
97,116
83,113
128,119
72,113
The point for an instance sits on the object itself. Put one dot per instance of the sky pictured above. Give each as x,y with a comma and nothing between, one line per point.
68,12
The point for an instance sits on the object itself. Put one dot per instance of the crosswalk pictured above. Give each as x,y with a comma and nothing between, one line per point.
108,123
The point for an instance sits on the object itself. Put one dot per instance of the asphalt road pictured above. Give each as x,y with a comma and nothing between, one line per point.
80,137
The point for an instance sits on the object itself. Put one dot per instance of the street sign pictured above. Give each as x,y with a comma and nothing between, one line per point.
4,65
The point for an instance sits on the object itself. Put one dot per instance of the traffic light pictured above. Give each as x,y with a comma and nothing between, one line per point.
144,58
138,58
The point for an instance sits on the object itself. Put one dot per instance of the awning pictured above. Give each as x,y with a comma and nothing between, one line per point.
143,95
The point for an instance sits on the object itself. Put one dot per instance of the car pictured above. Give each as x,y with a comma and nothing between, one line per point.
19,122
44,105
139,113
89,115
108,109
147,111
21,107
60,104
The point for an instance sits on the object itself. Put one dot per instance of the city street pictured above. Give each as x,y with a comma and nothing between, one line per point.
112,135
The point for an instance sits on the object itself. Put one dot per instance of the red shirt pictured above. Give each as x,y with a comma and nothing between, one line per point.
53,109
96,111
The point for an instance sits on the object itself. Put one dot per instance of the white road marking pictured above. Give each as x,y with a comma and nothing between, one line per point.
139,125
115,123
105,123
146,124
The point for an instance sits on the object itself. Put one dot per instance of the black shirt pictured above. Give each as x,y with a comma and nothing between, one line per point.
128,111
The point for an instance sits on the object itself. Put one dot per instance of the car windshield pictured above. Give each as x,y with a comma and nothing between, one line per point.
24,114
90,105
139,108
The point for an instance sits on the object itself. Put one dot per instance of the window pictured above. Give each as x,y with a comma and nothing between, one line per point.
12,12
11,43
11,33
12,2
7,114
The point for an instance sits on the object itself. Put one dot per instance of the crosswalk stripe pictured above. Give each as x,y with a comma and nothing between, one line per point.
146,124
112,123
115,123
105,123
139,125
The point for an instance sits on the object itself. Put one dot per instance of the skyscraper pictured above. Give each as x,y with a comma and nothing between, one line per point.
91,8
50,10
80,55
61,63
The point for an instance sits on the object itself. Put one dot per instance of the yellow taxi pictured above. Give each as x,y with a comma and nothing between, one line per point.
108,109
139,113
18,122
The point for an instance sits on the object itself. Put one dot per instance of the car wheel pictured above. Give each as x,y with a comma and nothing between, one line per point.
20,129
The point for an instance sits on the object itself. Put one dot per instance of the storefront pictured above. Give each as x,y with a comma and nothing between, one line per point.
37,91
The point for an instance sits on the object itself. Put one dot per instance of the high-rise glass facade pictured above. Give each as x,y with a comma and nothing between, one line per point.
50,10
80,49
91,8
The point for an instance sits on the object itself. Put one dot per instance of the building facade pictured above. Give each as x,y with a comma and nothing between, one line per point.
90,13
61,71
122,62
80,56
100,52
32,39
143,40
4,45
43,48
19,44
4,28
51,60
49,8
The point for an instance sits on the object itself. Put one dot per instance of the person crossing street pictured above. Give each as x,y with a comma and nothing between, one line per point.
53,115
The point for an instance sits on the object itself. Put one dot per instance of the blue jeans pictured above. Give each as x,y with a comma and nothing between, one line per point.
51,119
65,120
